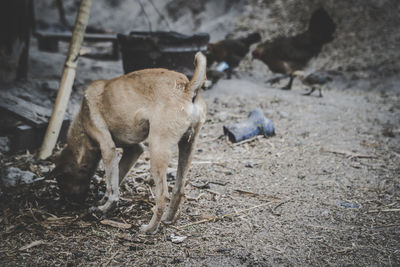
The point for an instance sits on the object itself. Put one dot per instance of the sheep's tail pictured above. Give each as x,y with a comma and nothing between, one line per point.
199,76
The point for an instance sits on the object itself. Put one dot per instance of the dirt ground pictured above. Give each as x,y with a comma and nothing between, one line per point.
324,191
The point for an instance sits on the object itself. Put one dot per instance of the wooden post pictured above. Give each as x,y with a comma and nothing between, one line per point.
67,80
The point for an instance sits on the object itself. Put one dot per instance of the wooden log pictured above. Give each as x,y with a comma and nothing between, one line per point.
67,80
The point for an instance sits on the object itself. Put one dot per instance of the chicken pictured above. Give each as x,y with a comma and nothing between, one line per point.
287,54
314,80
231,51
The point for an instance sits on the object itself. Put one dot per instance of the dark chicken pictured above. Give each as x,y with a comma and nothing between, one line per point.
231,51
287,54
314,80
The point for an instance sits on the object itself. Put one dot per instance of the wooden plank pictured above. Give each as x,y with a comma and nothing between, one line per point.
29,112
66,36
48,41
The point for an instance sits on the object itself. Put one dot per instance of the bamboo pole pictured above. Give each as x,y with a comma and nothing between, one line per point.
67,80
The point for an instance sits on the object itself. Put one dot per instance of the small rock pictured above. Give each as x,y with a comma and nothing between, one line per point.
14,176
171,174
177,239
222,116
325,213
249,165
44,169
301,176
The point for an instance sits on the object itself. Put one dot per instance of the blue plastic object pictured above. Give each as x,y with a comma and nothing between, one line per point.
349,205
256,124
222,66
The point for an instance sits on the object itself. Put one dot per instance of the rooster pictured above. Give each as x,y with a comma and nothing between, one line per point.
287,54
231,51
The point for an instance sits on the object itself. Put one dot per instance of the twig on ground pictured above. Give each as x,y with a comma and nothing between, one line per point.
189,198
202,162
277,206
247,140
342,251
213,192
348,154
116,224
240,191
151,191
218,183
33,244
110,260
223,216
148,202
386,226
259,196
383,210
206,185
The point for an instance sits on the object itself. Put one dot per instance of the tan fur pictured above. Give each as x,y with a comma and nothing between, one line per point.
158,104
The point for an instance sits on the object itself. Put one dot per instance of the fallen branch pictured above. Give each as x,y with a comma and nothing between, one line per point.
240,191
109,261
277,206
259,196
345,250
218,183
116,224
189,198
213,192
202,162
348,154
247,140
383,210
33,244
206,185
216,218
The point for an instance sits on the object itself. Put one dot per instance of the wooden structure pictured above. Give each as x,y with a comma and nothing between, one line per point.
24,122
48,41
16,22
